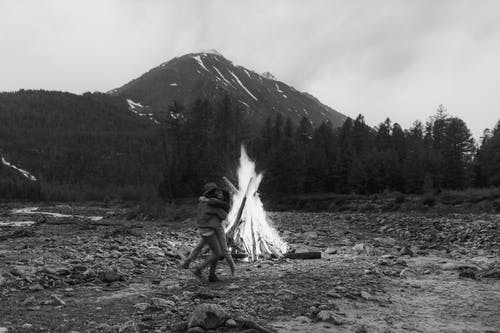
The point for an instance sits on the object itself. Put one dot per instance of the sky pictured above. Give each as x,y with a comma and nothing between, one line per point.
380,58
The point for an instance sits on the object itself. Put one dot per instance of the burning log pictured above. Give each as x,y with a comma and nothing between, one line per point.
303,255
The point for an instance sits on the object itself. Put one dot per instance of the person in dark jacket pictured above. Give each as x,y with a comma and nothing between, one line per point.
213,209
214,205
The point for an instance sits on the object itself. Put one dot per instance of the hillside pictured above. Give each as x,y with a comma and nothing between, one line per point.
78,142
208,76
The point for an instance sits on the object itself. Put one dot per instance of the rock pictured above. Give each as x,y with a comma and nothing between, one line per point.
141,306
30,301
331,250
20,271
285,294
3,330
406,250
408,273
233,287
127,263
36,287
158,302
207,316
467,272
55,270
366,295
57,299
179,327
110,276
303,319
196,329
330,317
333,293
231,323
363,248
2,282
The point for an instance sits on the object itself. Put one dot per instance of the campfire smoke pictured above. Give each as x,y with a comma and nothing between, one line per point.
249,228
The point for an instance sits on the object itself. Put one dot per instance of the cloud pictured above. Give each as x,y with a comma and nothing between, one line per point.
385,58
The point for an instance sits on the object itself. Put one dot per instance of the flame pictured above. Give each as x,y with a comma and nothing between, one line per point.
255,234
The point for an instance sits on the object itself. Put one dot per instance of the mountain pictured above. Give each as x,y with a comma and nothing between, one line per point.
208,75
83,144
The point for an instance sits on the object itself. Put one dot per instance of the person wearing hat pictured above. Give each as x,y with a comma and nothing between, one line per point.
213,209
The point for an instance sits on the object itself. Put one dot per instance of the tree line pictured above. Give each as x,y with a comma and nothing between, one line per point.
354,158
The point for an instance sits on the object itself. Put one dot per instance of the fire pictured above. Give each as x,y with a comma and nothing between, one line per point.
253,233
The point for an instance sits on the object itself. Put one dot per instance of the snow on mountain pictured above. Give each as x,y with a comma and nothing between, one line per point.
23,172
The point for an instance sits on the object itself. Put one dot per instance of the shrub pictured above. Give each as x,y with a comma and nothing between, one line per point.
429,200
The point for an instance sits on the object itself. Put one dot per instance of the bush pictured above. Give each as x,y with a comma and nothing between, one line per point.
429,200
400,198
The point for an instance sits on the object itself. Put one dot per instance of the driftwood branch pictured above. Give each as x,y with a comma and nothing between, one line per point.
303,255
232,188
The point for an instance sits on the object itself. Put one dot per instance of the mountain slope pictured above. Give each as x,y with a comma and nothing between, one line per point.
209,76
80,142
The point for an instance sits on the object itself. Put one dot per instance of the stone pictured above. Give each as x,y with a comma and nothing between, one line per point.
57,299
406,251
231,323
158,302
362,248
55,270
196,329
110,276
285,294
179,327
233,287
36,287
331,250
207,316
303,319
333,293
141,306
408,273
330,317
30,301
366,295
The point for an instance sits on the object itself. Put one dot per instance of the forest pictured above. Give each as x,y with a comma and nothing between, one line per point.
355,158
91,147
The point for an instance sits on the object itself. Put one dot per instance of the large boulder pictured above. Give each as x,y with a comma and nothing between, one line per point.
208,316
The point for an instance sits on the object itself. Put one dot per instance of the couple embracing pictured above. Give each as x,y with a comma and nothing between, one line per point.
213,209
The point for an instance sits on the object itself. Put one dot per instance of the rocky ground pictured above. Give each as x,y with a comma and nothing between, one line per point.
379,272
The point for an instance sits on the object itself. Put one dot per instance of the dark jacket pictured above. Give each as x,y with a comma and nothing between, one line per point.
211,212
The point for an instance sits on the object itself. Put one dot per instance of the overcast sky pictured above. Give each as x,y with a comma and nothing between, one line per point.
382,58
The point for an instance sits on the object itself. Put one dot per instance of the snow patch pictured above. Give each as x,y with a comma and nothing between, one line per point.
212,51
246,72
173,84
229,83
23,172
200,62
241,84
278,88
244,103
35,210
285,96
137,108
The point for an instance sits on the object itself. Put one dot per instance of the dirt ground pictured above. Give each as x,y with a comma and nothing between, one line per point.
379,272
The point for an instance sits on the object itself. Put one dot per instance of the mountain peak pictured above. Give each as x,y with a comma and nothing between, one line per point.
269,76
212,51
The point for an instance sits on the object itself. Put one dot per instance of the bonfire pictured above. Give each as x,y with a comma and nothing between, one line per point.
249,228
